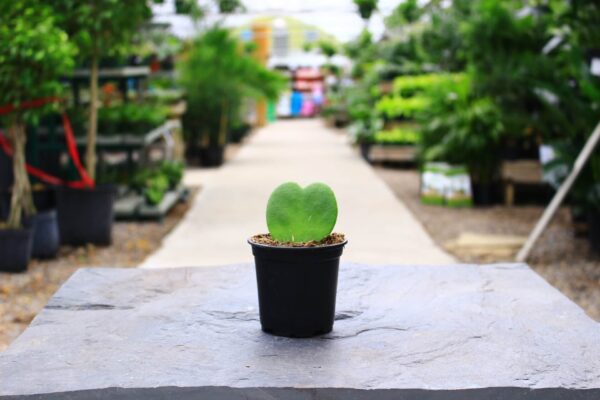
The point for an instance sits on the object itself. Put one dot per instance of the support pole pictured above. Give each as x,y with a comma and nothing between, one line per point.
560,195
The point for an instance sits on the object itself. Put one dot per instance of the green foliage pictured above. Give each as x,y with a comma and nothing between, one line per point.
102,27
406,12
461,129
442,40
34,53
154,182
395,107
173,170
301,215
229,6
156,188
366,8
131,118
217,76
406,135
407,86
327,48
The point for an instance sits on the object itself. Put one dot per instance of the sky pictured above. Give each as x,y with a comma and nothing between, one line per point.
338,17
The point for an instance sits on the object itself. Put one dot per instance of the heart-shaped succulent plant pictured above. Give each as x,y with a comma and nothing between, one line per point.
295,214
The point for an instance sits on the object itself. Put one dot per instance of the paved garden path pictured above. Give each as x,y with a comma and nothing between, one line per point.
231,204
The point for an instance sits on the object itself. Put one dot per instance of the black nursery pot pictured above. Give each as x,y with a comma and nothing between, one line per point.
44,200
593,217
86,215
46,239
212,156
15,249
297,288
483,194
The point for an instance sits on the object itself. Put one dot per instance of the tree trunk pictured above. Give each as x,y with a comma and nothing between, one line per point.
90,155
22,199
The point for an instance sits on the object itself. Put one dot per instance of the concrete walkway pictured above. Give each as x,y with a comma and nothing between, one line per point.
231,205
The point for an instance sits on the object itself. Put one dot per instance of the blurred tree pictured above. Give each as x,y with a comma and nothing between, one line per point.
407,12
100,28
217,76
34,54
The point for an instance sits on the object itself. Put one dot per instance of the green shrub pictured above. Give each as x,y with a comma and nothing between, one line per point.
400,135
407,86
173,170
396,107
131,118
156,188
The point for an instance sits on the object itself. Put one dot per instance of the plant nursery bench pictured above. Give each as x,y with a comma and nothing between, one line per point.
459,332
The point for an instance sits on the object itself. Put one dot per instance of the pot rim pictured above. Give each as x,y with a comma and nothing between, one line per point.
292,248
18,231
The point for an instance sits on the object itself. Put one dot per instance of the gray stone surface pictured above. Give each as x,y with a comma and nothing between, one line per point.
402,332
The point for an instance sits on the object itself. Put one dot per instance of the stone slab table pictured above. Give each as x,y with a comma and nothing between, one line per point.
402,332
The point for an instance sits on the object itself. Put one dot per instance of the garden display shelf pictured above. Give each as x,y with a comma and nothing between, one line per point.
122,75
379,153
133,206
411,332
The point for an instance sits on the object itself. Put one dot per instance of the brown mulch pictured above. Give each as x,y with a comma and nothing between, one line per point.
22,296
267,240
563,259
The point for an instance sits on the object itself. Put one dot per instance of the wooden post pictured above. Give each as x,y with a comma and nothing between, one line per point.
261,32
560,195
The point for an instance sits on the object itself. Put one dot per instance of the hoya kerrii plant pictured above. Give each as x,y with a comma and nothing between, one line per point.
34,54
297,263
301,215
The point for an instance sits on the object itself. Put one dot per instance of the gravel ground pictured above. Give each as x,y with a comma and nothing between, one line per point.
561,258
22,296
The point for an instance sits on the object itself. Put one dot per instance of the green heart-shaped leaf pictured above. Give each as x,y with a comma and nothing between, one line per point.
301,215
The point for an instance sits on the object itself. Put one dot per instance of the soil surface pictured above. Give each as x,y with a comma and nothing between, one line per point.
563,259
22,296
267,240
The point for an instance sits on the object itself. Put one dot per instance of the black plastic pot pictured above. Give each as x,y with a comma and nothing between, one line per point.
593,217
15,249
365,149
212,156
46,239
86,215
44,200
6,174
297,288
483,194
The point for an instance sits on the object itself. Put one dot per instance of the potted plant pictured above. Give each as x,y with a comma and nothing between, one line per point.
217,75
100,28
297,262
34,54
366,8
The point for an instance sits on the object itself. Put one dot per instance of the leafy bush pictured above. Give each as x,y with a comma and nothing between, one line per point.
461,129
407,86
173,170
153,183
400,107
399,135
131,118
156,188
